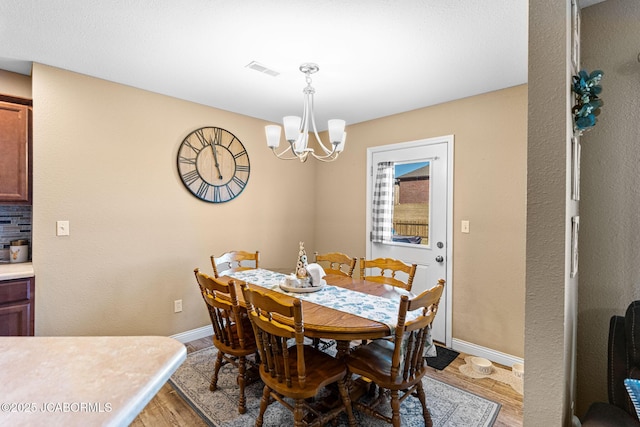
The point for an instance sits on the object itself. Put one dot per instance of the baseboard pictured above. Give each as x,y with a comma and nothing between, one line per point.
193,334
487,353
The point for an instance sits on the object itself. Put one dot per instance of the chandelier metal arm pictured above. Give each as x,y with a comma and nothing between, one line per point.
315,130
325,159
281,155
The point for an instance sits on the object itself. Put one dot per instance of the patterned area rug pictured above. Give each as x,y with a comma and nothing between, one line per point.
449,406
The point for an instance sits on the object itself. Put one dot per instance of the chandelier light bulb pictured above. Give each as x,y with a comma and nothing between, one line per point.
291,127
336,131
273,135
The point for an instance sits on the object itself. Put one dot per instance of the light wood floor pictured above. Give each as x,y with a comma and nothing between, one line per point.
167,408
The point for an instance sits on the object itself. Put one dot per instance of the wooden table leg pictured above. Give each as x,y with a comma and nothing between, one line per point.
342,348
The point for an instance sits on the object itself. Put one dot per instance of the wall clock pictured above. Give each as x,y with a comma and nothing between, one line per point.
213,164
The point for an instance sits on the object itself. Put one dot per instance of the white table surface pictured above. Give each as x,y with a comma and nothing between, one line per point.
82,381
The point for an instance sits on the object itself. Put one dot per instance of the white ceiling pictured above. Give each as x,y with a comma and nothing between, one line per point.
376,57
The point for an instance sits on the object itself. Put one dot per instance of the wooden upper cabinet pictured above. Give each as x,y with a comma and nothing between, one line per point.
15,153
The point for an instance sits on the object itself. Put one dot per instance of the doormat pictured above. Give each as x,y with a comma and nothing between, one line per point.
444,356
449,406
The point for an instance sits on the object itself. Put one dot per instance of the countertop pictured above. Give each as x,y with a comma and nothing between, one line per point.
81,381
18,270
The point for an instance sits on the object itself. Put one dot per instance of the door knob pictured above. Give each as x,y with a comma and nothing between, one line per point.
439,258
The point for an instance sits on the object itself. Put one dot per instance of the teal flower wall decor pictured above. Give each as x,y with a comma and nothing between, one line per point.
587,88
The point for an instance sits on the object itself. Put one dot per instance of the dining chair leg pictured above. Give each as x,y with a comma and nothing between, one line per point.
423,401
395,408
298,413
344,393
242,371
214,379
266,391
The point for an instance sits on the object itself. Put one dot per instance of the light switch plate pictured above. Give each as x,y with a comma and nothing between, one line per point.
62,228
465,226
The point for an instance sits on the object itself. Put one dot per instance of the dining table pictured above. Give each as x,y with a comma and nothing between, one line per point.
346,309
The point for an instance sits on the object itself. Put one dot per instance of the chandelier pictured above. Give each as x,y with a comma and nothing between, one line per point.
296,130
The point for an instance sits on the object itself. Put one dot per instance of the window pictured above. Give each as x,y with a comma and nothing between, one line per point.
411,203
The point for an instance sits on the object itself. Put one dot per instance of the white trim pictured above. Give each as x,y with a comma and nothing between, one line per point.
450,260
193,334
487,353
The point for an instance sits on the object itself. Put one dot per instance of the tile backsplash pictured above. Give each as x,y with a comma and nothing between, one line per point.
15,223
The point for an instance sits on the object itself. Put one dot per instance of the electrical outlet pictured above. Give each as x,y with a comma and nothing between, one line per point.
177,306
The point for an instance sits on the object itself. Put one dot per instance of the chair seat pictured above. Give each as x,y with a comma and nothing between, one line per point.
325,370
374,361
602,414
236,349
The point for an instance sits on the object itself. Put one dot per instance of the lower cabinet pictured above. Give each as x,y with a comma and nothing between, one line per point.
17,307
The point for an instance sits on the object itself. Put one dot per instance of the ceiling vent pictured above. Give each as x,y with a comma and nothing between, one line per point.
259,67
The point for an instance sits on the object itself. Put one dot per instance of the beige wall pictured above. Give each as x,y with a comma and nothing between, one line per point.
489,191
14,84
610,202
104,159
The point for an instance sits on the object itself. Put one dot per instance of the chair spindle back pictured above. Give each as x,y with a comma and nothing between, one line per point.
273,336
337,263
411,336
224,310
234,261
389,268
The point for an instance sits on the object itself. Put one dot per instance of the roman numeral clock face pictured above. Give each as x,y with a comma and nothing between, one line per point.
213,164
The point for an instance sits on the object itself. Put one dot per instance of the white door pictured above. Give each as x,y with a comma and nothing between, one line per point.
422,215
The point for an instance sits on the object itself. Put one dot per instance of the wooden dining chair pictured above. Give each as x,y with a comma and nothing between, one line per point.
389,268
232,331
336,263
398,365
297,372
234,261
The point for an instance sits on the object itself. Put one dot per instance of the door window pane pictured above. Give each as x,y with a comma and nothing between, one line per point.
411,203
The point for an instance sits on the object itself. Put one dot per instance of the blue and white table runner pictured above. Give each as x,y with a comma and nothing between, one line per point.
372,307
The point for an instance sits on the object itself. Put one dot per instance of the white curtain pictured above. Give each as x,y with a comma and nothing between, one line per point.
382,209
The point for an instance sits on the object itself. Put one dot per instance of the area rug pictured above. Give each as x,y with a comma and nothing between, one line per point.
449,406
444,357
499,374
